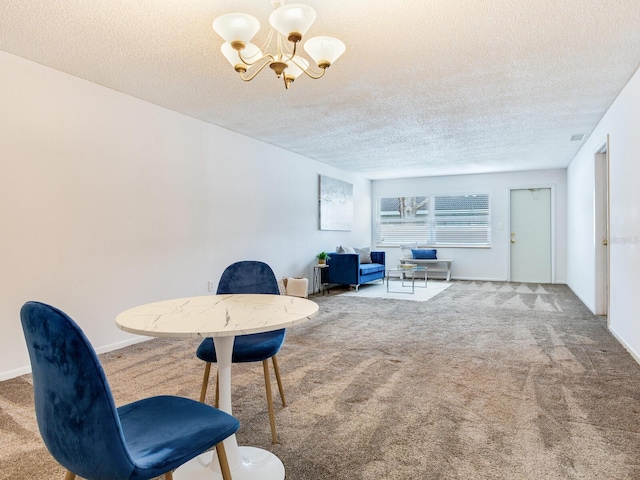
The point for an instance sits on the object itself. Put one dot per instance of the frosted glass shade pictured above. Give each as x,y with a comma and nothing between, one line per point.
324,49
234,27
292,18
251,53
294,70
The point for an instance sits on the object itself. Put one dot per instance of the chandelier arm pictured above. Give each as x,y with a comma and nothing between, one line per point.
293,54
279,50
255,72
250,64
314,75
285,45
267,42
307,70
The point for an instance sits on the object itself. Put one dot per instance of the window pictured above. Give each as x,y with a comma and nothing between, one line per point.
402,220
434,220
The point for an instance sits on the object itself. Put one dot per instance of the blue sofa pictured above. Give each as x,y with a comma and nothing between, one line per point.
346,269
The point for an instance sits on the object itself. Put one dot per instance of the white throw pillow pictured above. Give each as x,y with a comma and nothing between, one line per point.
365,254
405,249
342,249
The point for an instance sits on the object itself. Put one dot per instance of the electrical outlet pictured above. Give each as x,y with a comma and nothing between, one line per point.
210,286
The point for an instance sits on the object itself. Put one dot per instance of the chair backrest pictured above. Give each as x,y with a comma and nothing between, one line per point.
248,277
74,406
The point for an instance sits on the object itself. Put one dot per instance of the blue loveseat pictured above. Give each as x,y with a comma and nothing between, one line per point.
346,269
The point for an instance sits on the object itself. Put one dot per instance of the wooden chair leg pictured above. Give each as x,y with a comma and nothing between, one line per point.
168,475
217,402
69,475
279,380
224,464
272,416
205,382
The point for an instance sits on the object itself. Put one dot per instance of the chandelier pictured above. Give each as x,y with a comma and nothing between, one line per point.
279,51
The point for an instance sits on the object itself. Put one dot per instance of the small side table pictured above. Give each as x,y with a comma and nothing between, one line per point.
318,286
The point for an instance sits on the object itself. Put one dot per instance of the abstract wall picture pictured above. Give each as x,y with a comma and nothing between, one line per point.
336,204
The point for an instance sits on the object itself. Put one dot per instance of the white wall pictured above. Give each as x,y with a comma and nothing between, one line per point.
581,257
486,263
107,202
622,124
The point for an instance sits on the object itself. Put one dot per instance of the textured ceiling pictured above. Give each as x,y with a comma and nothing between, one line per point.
426,87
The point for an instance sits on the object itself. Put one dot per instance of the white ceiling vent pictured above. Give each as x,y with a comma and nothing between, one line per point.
578,137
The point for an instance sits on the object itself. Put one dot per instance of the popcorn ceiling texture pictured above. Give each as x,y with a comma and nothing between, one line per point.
424,88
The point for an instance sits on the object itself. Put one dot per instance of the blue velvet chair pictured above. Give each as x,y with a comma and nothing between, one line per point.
83,429
249,277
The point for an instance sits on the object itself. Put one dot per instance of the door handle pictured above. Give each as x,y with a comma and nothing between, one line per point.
605,242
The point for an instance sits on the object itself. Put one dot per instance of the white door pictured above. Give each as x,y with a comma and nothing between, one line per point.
531,235
602,230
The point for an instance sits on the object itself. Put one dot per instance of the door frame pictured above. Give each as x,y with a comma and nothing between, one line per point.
602,199
552,187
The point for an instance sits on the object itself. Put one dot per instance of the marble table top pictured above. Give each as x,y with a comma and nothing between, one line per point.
216,315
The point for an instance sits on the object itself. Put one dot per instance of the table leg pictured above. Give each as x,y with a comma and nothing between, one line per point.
314,287
244,462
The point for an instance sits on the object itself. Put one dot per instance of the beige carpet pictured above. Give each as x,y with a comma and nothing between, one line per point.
484,381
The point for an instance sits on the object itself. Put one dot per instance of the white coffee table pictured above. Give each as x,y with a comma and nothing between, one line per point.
406,274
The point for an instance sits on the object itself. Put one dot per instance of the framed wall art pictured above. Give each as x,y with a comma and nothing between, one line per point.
336,204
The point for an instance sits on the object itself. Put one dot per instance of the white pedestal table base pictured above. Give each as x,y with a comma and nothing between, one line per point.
255,463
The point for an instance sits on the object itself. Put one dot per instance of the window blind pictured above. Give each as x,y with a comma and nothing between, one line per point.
434,220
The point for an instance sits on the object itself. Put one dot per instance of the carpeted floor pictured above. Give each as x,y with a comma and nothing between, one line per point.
483,381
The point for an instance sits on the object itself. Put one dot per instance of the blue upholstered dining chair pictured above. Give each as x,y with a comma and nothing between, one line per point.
249,277
83,429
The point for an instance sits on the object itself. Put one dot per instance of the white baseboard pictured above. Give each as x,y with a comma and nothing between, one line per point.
107,348
8,375
631,351
125,343
486,279
581,299
476,279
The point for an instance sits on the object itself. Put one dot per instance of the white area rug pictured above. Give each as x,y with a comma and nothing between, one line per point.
398,292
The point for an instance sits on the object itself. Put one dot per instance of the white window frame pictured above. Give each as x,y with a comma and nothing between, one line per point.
429,227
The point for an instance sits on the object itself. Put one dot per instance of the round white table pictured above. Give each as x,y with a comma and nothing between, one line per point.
221,317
